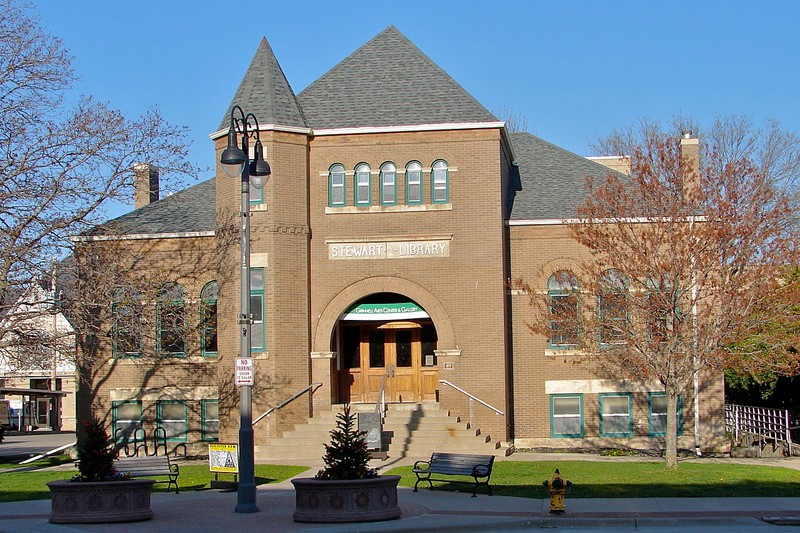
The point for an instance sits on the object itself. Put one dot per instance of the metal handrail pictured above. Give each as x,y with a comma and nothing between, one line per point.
314,385
471,396
380,402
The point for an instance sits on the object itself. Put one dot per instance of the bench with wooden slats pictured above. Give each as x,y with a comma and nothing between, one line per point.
151,466
478,467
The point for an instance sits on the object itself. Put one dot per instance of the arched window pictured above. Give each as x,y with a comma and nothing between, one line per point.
413,183
208,319
363,191
171,321
612,307
388,184
126,326
563,293
336,186
440,187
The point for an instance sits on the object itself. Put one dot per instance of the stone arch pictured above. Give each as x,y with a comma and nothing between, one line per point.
330,315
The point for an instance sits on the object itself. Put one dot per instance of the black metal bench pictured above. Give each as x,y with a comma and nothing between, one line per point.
151,466
478,467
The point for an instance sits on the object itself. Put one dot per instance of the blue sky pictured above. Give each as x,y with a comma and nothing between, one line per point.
574,69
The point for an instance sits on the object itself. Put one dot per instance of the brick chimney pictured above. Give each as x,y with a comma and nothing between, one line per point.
145,184
690,155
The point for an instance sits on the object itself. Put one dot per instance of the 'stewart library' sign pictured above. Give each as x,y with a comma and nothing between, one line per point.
388,250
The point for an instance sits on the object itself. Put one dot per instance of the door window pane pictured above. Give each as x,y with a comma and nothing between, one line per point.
377,354
403,347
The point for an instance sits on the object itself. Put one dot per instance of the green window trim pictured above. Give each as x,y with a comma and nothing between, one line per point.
413,183
208,320
388,184
560,415
128,407
131,314
440,182
210,420
653,416
171,321
258,341
176,428
337,186
563,309
362,185
615,414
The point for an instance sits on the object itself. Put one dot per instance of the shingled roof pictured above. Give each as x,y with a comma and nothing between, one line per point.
552,180
388,82
190,210
265,92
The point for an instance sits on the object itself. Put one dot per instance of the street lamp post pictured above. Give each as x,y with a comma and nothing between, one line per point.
235,161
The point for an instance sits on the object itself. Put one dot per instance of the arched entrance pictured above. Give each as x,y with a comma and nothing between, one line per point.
386,345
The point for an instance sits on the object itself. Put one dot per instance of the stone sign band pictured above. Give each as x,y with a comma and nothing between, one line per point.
388,250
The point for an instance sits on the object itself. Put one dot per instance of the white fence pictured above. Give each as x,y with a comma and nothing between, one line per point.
765,424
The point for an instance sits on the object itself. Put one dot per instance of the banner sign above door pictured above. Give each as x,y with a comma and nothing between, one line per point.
387,311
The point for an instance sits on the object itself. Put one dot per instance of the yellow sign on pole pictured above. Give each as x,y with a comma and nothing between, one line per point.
223,458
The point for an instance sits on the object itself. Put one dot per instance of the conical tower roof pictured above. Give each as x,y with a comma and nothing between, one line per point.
388,82
265,92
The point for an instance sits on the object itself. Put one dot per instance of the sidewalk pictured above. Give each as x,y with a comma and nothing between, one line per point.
426,510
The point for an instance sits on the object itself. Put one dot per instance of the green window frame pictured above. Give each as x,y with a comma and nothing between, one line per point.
126,324
563,310
388,183
440,182
566,416
613,312
337,186
173,417
171,321
210,420
208,319
657,414
257,310
616,414
125,415
413,183
362,185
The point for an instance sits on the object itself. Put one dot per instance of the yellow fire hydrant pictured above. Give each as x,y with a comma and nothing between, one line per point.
557,487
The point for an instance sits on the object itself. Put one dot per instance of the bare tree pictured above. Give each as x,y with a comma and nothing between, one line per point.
59,165
515,121
687,258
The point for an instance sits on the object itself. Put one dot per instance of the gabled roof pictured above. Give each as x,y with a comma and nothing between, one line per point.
265,92
190,210
552,180
388,82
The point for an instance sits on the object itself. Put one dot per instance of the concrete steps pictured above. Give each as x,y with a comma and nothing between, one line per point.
409,430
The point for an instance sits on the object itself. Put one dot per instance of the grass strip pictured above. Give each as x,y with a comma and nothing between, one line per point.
608,479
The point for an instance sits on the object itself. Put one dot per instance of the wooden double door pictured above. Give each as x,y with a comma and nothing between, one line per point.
388,358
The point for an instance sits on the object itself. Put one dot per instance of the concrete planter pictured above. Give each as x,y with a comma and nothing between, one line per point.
355,500
100,501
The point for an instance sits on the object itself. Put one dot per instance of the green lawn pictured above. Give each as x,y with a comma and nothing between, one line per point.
17,486
604,479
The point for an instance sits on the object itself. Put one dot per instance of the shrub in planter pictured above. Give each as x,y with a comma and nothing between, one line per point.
347,489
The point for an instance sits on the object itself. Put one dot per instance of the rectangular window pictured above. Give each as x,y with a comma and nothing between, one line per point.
616,417
126,334
566,415
126,417
362,188
171,329
440,193
208,319
173,417
413,186
657,414
210,420
257,341
388,188
564,325
336,192
256,194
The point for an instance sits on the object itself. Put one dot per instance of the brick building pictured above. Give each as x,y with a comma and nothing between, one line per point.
397,210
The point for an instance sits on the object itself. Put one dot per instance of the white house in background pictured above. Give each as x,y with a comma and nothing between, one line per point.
37,353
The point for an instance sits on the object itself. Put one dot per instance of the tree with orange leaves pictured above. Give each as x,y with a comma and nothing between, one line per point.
692,254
